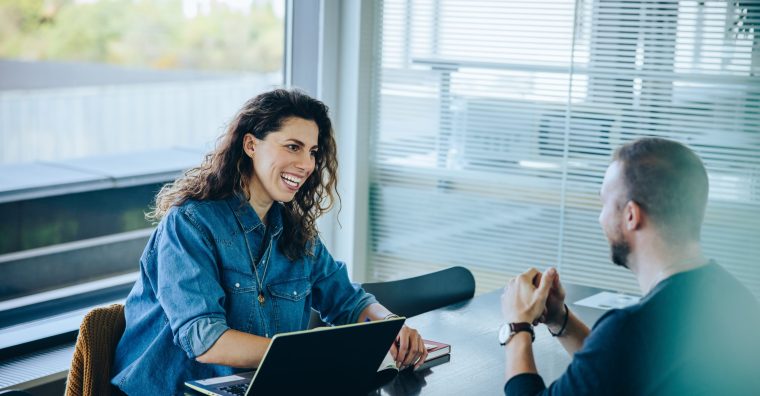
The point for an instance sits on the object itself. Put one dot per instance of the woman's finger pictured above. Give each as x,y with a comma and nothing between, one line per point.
394,349
403,347
423,355
414,347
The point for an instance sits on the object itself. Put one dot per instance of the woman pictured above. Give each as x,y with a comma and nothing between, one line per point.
236,257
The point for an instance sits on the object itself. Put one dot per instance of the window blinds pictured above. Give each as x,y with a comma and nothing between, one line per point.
495,121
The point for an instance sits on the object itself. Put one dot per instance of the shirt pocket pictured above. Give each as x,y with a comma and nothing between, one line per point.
290,301
241,293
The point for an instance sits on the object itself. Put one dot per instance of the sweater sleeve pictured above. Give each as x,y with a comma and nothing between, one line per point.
524,384
601,367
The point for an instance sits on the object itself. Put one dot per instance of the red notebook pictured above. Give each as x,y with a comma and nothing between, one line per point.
436,349
438,353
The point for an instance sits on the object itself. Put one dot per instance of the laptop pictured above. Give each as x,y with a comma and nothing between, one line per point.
326,360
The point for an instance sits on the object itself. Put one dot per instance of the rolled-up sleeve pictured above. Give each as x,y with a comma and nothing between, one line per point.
604,366
338,300
526,384
188,286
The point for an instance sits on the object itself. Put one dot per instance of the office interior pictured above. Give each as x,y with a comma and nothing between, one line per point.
469,133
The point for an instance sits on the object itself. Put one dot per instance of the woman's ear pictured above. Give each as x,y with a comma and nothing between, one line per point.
249,144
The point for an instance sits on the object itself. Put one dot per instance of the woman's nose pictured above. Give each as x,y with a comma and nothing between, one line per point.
305,162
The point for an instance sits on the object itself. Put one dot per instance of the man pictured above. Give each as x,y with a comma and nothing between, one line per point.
696,329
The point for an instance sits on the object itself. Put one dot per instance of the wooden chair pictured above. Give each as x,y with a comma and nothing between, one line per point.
99,333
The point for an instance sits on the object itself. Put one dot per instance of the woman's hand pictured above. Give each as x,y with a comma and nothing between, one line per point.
409,348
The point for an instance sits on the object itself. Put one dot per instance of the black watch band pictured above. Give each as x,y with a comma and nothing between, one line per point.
523,326
508,330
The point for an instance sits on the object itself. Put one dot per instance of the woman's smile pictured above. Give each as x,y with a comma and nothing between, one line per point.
283,161
291,181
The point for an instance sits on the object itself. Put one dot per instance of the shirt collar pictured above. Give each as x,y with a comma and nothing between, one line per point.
248,218
661,285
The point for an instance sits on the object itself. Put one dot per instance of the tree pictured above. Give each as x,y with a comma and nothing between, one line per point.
142,33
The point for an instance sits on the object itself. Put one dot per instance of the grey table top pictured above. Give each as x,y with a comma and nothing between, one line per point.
477,359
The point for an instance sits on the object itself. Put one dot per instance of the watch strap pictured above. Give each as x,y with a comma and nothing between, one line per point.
522,326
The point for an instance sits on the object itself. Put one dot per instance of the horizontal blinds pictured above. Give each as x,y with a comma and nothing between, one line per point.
495,121
680,70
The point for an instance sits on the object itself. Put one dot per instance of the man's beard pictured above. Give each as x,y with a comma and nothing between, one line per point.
620,250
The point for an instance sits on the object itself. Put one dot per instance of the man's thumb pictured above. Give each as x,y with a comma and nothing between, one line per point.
546,282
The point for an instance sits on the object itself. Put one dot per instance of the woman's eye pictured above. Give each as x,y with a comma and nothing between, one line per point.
292,147
314,153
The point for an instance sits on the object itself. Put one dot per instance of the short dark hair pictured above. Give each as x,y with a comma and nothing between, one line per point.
669,182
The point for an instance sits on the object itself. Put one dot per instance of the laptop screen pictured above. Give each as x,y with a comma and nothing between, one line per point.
330,360
327,360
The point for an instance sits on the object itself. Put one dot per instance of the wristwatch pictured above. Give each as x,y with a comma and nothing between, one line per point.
508,330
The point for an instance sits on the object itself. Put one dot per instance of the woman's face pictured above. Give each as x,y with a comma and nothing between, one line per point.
283,160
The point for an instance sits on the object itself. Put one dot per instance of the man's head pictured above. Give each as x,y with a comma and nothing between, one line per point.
656,183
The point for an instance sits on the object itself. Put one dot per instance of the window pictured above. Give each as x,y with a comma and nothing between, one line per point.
93,77
495,122
101,102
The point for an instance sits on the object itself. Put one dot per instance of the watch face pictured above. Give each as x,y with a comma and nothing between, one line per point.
504,333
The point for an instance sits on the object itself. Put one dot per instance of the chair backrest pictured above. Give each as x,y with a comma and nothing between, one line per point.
99,333
413,296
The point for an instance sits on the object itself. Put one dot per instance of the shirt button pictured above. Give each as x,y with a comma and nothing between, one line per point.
266,335
294,293
237,284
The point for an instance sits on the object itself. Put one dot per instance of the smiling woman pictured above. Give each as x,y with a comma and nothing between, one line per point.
264,141
282,162
236,257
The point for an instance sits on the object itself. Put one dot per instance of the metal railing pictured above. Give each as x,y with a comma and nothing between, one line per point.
62,123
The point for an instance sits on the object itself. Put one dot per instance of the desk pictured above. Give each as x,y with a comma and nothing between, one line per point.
477,359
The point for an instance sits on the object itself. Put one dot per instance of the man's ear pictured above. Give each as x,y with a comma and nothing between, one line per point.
633,213
249,144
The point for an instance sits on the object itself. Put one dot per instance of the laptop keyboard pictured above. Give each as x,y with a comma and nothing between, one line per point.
238,389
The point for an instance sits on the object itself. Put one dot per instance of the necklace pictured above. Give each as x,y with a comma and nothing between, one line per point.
260,282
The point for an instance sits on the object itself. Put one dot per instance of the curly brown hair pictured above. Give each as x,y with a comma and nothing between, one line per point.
227,169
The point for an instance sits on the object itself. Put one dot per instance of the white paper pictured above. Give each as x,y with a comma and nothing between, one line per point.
606,300
387,363
217,380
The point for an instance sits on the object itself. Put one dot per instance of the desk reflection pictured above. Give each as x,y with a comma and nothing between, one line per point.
407,382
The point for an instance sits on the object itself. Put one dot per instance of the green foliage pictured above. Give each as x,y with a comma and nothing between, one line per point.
134,219
49,233
142,33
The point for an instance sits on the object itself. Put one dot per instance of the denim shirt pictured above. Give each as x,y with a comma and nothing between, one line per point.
197,280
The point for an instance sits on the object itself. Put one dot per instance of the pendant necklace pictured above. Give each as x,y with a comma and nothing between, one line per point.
260,282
